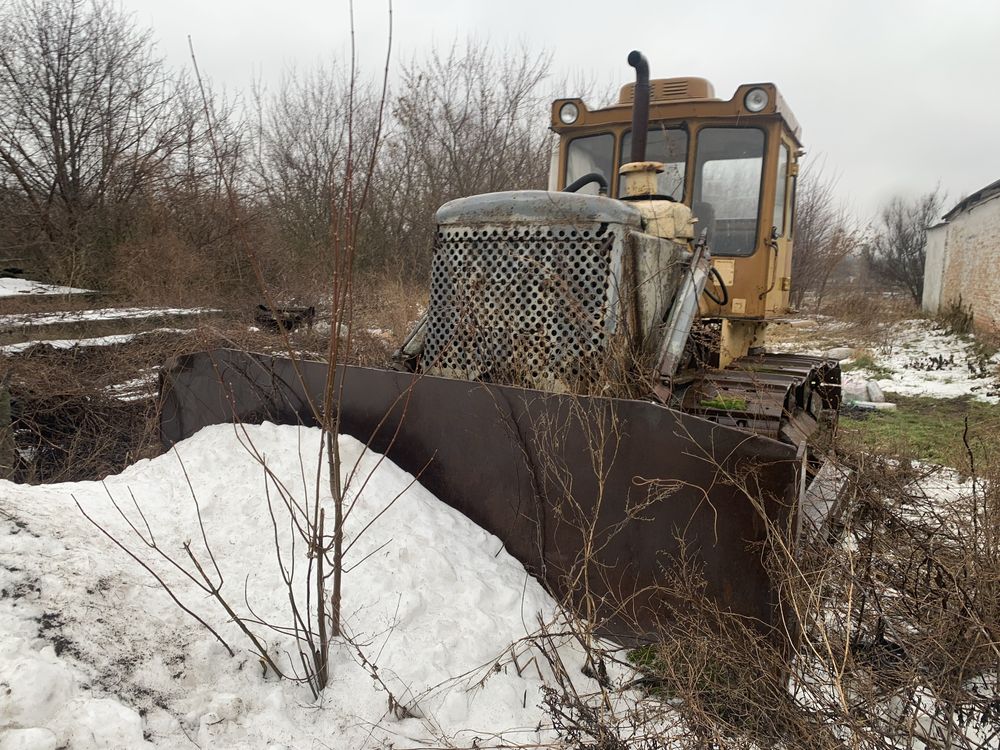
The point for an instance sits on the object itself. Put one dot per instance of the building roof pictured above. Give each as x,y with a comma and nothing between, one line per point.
974,200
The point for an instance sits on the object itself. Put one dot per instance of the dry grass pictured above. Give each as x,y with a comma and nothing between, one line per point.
183,275
862,310
848,319
805,335
45,303
70,420
390,305
897,642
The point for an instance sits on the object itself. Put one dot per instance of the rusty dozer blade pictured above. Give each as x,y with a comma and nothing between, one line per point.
641,485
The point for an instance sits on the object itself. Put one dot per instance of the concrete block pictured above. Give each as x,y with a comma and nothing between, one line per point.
875,392
853,390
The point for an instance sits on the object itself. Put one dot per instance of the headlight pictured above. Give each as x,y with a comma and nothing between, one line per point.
568,113
756,100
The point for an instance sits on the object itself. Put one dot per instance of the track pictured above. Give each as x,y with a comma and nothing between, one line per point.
782,396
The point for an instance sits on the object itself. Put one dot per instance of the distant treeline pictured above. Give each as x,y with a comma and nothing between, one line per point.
120,173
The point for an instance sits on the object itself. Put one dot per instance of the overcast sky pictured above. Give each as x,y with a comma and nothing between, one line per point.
893,95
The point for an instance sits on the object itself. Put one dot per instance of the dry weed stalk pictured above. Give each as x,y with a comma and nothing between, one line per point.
896,627
891,616
85,412
314,594
318,619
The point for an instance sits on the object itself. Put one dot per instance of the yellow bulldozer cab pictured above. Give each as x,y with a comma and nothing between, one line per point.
733,162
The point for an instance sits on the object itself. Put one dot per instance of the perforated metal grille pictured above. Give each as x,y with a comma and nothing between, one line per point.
522,306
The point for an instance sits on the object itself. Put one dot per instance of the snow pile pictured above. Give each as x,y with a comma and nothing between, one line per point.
10,287
45,705
95,654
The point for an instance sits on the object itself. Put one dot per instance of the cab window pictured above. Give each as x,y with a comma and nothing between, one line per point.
666,145
591,153
728,169
780,191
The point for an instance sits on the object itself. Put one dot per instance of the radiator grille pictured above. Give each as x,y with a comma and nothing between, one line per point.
524,306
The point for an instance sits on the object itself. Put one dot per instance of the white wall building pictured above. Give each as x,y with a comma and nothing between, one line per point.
963,258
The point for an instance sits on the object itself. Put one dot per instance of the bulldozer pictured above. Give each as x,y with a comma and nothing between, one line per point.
588,382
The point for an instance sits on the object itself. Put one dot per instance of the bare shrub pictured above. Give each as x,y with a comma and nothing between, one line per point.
913,588
897,250
956,318
892,641
88,117
183,273
825,234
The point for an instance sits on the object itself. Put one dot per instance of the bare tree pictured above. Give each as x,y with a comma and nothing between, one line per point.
467,120
897,251
304,131
825,234
87,119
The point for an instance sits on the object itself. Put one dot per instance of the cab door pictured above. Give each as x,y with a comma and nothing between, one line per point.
780,252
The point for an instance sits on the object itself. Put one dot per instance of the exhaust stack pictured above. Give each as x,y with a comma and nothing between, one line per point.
662,216
639,175
640,106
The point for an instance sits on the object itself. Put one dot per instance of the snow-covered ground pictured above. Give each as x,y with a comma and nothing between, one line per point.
93,652
22,320
20,287
927,361
111,340
909,357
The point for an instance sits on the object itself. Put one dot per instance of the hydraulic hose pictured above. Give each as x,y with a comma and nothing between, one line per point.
602,183
722,285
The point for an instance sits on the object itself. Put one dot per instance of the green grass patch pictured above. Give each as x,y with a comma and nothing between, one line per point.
865,361
725,404
644,657
928,429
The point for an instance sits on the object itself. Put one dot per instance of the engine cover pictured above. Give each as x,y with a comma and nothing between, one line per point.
555,291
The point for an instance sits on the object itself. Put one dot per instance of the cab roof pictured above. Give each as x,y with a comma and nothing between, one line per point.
679,99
